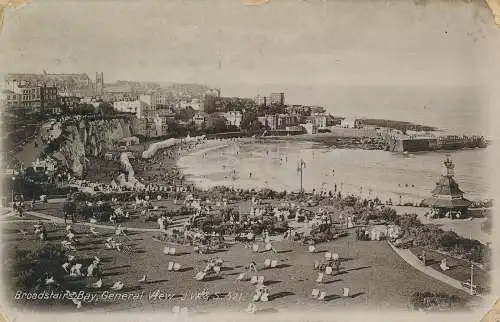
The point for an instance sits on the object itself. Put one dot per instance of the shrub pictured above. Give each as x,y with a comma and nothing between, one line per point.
432,302
28,271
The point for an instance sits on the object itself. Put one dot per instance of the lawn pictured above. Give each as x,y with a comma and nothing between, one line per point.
377,277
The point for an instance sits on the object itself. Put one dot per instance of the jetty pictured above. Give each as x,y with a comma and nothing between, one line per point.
411,143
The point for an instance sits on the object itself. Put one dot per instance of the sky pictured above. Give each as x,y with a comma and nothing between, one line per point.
302,47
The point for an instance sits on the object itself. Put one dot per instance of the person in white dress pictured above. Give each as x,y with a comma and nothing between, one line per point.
161,223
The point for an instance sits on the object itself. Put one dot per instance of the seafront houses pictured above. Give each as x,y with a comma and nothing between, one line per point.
199,118
233,118
351,123
318,119
310,127
269,121
29,97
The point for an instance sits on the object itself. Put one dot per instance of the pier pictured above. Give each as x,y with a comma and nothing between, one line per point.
404,143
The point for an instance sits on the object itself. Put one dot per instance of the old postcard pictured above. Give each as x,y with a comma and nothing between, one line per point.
222,159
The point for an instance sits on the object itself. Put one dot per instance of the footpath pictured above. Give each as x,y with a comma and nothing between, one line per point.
58,220
411,259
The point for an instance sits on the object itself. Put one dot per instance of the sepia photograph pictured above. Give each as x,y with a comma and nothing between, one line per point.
192,158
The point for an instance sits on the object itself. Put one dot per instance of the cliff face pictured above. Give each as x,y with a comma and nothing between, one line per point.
90,138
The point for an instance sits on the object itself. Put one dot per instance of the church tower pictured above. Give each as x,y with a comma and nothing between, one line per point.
99,83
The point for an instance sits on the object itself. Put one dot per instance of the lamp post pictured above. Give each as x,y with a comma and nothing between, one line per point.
471,278
300,169
12,190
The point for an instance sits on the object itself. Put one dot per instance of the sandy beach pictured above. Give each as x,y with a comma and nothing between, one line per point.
370,174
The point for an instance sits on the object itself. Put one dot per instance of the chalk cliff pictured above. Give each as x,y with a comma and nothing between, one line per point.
89,138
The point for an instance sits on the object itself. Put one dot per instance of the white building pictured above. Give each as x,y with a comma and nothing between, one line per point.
350,123
199,118
136,107
233,118
319,120
197,104
310,128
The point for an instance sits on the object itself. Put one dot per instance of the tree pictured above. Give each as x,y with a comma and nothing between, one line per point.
388,214
215,124
185,114
105,109
250,124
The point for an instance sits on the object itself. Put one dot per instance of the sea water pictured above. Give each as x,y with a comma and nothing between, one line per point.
400,177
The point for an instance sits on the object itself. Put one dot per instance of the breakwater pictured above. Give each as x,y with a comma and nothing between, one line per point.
450,142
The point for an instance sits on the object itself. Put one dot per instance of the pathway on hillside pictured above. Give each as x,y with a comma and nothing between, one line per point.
411,259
